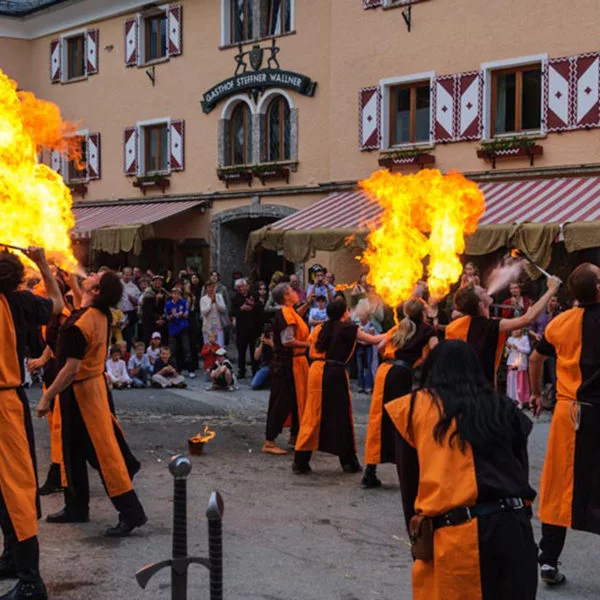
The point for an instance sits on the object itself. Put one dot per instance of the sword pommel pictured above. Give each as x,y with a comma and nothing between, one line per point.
216,507
180,466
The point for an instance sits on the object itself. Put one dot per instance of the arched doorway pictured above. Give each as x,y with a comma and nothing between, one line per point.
229,232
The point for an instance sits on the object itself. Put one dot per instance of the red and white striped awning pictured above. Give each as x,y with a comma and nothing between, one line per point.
90,218
559,200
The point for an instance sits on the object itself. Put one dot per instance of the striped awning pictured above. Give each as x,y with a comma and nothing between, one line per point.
92,218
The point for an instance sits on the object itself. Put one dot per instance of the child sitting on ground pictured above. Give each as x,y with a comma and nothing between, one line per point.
117,370
209,353
165,371
222,372
153,351
139,367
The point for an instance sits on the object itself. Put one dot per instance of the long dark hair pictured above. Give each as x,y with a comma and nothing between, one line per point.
335,311
453,376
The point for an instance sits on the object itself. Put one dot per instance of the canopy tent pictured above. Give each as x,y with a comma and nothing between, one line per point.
121,227
526,214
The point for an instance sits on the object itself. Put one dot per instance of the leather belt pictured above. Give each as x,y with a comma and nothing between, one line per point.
464,514
339,363
399,363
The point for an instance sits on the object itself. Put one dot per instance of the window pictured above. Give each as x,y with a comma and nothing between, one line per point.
77,170
240,149
155,33
279,17
241,17
278,130
156,148
76,57
516,99
409,113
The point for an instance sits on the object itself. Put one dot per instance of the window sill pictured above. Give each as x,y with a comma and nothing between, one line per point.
428,145
538,134
156,61
401,4
230,45
74,79
152,180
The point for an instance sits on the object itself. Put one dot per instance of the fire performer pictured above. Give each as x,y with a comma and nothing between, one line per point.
327,422
289,369
569,487
463,470
90,431
406,346
19,508
488,335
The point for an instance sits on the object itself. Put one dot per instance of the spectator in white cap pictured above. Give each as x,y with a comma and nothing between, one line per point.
221,374
153,350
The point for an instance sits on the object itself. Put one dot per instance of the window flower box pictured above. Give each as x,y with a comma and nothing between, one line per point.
272,172
78,189
509,148
401,158
152,181
241,174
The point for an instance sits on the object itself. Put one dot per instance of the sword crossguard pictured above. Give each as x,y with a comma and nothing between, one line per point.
179,565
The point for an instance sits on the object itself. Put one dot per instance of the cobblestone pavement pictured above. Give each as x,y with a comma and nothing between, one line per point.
286,537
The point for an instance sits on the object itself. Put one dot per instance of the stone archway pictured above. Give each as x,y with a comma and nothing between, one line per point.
229,234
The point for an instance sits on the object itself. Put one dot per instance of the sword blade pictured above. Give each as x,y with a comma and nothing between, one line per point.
214,514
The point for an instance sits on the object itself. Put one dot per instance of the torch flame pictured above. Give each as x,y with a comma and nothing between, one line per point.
515,253
36,204
447,207
203,437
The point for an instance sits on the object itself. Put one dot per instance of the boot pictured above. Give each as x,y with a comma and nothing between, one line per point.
69,515
27,591
125,526
351,466
8,569
53,482
370,479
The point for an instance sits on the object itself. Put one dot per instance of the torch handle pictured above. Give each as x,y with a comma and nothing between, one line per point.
215,557
180,519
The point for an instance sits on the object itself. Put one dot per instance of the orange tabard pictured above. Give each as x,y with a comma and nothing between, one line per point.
17,477
556,489
91,395
373,439
299,362
310,425
55,426
446,480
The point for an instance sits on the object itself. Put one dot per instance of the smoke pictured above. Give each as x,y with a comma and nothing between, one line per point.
504,274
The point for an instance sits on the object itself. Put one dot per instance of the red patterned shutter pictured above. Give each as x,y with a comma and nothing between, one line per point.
55,61
91,43
176,143
372,3
557,94
93,156
175,29
469,102
56,161
586,69
130,148
131,41
369,128
444,108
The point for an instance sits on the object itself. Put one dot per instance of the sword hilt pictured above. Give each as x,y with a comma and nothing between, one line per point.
180,467
214,513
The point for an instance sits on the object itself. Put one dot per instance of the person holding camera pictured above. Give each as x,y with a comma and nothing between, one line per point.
263,353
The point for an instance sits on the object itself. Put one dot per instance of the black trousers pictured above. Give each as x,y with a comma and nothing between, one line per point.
245,342
302,458
277,416
551,544
25,554
78,451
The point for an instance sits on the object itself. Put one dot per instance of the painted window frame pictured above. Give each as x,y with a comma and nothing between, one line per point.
141,142
160,11
64,55
386,86
282,126
83,133
488,69
248,142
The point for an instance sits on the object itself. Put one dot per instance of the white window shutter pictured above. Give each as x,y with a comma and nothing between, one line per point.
369,119
557,106
175,29
444,108
469,105
586,70
132,27
56,161
176,142
91,51
372,3
130,149
93,156
55,60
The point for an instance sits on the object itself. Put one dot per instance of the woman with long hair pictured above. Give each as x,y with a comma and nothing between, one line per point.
464,476
327,422
406,346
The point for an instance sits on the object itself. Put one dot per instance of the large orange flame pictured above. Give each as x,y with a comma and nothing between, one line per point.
446,207
35,202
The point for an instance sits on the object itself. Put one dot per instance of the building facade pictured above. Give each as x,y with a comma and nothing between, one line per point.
204,120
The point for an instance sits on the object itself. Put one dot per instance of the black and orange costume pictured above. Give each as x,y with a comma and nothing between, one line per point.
90,430
570,486
393,379
484,557
289,375
327,423
19,506
484,335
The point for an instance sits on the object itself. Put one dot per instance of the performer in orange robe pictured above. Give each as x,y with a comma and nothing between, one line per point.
462,463
570,488
19,507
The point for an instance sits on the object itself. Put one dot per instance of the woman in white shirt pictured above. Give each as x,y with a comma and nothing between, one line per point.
213,310
517,378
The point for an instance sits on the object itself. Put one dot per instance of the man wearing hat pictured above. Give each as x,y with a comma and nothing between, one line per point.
221,374
153,310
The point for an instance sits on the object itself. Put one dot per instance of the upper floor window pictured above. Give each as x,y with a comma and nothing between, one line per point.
75,56
278,130
240,146
410,108
516,99
279,17
155,36
241,19
247,20
156,148
77,170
